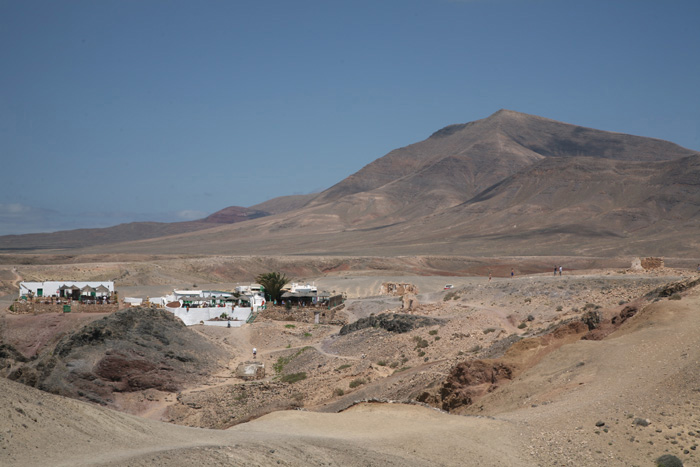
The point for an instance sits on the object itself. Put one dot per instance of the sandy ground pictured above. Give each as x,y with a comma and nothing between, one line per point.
41,429
624,400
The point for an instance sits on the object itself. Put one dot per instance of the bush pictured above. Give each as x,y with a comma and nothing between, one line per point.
421,353
294,377
357,382
476,348
381,363
675,296
394,365
343,366
667,460
307,334
433,332
450,296
488,330
288,305
437,338
289,326
420,343
559,308
338,392
522,326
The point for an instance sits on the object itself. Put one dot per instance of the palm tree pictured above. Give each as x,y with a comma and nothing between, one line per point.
273,283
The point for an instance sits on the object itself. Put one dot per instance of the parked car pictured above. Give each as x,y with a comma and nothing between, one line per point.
448,286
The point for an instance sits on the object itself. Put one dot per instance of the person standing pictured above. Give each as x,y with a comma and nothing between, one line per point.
555,270
255,352
560,269
512,272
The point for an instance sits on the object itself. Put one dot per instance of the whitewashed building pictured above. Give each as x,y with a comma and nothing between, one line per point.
67,289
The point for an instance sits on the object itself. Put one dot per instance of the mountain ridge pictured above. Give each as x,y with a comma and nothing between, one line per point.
488,174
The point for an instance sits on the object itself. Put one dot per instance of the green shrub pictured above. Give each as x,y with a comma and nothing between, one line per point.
559,308
357,382
294,377
675,296
338,392
528,300
667,460
488,330
437,338
394,365
381,363
289,326
476,348
420,343
450,296
307,334
421,353
433,332
343,366
522,326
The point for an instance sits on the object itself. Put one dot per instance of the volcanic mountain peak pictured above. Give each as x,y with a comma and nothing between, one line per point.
465,182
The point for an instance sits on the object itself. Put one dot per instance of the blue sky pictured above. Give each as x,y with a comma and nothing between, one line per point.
116,111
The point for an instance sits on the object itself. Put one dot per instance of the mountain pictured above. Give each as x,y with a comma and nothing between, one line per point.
459,161
285,203
511,183
132,231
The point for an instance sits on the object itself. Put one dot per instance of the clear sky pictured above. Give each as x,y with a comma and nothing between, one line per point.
119,110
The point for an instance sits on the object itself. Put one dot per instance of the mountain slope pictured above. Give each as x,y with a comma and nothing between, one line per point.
133,231
507,184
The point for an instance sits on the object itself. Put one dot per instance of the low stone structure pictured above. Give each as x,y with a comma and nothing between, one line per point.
251,370
399,289
47,306
652,263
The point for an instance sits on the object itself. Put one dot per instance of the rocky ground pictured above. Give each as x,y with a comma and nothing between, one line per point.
580,369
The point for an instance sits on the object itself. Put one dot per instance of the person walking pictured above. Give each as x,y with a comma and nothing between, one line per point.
555,270
512,272
255,352
560,269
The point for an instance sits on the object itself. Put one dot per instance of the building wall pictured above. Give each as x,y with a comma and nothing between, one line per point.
50,288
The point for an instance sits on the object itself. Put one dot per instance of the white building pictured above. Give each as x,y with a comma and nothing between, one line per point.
68,289
303,288
203,306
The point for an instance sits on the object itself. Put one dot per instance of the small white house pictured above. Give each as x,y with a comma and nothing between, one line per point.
67,289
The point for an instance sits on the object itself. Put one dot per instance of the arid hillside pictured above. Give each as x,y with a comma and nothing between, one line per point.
504,185
596,367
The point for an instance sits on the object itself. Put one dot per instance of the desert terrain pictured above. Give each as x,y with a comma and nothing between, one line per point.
598,366
513,364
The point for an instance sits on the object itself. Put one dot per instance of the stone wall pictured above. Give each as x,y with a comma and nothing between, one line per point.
652,263
39,307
